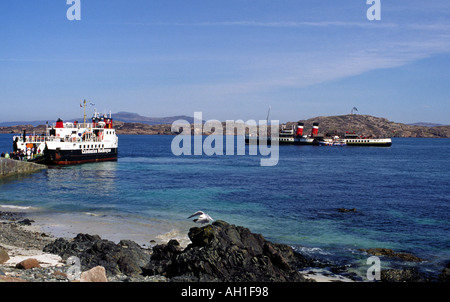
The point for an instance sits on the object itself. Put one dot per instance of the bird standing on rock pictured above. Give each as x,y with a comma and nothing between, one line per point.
202,217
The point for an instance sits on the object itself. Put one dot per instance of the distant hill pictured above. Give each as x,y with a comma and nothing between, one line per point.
366,125
31,123
128,117
370,125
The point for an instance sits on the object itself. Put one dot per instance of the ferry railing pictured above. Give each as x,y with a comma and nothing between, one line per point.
42,139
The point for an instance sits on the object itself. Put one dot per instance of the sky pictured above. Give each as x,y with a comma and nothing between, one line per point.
229,59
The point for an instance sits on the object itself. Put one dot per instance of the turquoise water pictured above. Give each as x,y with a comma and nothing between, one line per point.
402,195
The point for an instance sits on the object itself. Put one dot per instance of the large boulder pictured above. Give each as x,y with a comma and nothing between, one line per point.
126,257
96,274
28,264
224,252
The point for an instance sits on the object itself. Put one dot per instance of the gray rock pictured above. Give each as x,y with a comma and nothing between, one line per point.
224,252
126,257
392,254
401,275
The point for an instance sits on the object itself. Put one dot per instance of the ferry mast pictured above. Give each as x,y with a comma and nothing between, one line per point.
84,116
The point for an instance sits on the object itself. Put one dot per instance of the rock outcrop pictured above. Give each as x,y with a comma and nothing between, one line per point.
126,257
402,275
224,252
218,252
392,254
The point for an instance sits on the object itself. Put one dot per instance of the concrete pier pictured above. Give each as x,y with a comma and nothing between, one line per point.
12,167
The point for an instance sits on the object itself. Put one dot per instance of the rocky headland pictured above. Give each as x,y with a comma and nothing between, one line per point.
217,252
367,125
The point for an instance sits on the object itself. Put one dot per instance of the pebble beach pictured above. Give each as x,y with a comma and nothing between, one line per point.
20,241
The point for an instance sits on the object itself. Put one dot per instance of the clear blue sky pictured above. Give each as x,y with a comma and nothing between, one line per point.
230,59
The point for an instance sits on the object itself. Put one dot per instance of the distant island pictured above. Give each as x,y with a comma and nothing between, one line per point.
132,123
370,125
126,117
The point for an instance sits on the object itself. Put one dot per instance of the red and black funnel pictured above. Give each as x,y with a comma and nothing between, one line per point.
315,129
299,129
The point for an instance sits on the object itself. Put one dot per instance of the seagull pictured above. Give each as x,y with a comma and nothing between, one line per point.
202,217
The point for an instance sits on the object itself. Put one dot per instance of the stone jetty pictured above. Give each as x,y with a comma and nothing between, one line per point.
13,167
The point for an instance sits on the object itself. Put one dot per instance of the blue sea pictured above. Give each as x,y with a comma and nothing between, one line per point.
401,194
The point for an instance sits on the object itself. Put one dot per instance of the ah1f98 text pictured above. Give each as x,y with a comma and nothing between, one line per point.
244,291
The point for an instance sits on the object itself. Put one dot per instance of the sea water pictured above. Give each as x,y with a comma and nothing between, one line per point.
401,195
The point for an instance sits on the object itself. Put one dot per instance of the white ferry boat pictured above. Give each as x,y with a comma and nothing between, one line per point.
68,143
352,139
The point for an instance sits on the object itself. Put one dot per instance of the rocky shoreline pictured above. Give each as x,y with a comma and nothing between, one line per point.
219,252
